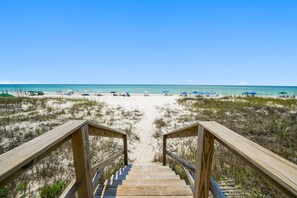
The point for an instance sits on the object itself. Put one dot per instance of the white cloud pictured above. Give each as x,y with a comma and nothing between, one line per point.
242,83
18,82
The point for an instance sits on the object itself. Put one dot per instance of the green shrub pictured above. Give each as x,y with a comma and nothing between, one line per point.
3,192
22,187
53,190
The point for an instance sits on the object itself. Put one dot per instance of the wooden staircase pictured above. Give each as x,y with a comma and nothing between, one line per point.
142,181
149,179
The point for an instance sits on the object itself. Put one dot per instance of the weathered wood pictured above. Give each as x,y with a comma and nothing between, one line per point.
125,142
204,162
190,170
32,163
153,182
24,155
103,131
187,131
143,191
279,171
70,190
182,162
164,150
102,164
80,148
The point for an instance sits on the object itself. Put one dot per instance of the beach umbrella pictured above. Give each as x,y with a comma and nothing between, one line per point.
245,93
184,93
113,92
200,93
252,93
207,93
283,93
165,91
195,92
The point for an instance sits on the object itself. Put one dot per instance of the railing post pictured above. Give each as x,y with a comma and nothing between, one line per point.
164,150
125,141
204,162
80,149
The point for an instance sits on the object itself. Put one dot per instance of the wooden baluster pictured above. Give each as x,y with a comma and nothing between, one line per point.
204,162
164,150
125,141
80,149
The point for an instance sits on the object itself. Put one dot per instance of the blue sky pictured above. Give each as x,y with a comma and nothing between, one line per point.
149,41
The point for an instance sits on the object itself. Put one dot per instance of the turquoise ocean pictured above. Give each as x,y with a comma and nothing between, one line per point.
152,89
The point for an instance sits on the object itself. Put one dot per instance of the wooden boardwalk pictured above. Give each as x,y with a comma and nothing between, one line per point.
150,179
143,181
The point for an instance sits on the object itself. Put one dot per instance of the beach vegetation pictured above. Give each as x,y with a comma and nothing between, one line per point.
52,190
270,122
23,119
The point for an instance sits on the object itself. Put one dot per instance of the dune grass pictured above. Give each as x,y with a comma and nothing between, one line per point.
272,123
24,118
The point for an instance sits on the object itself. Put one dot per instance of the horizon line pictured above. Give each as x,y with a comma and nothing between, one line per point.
249,85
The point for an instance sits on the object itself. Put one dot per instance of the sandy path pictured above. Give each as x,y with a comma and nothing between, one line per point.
142,152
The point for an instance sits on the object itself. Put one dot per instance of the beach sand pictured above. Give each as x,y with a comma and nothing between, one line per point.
142,151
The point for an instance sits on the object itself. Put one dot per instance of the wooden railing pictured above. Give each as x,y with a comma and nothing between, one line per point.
19,159
279,171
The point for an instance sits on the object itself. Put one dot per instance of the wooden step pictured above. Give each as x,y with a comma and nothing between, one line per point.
145,182
98,196
143,190
151,177
150,173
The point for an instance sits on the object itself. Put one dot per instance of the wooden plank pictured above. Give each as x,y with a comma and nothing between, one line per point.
70,190
103,131
182,162
190,169
150,171
125,142
187,131
164,150
143,174
144,190
145,182
111,196
80,148
204,162
24,155
146,177
102,164
279,171
32,163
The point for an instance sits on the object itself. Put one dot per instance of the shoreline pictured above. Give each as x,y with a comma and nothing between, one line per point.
79,95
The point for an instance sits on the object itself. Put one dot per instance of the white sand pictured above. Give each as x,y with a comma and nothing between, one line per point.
143,151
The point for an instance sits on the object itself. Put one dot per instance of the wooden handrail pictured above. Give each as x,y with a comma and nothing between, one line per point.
27,154
19,159
190,169
187,131
279,171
